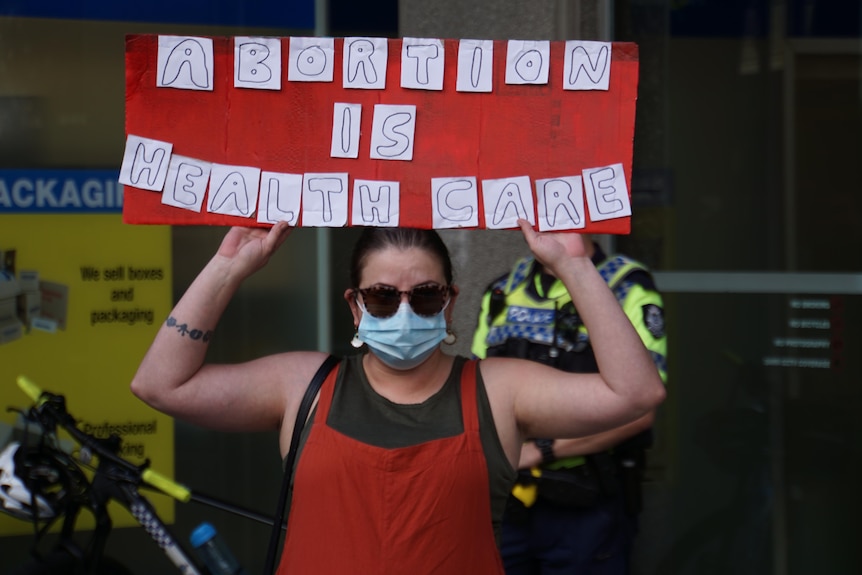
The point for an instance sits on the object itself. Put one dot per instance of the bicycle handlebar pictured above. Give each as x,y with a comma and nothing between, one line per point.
30,389
149,476
169,486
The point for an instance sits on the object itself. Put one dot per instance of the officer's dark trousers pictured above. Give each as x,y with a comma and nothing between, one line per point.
547,539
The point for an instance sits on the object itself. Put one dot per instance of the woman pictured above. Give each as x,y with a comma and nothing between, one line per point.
409,457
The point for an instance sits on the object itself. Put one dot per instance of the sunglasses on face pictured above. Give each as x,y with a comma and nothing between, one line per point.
426,300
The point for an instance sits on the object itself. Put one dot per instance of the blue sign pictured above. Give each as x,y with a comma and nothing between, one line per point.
283,14
60,191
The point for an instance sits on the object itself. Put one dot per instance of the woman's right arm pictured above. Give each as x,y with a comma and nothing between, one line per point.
173,378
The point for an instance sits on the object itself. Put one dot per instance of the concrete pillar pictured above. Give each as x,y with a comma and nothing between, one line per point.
481,256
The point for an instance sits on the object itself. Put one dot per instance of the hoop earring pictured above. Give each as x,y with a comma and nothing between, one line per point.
356,342
450,338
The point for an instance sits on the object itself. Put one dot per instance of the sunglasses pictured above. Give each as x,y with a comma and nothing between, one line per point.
426,300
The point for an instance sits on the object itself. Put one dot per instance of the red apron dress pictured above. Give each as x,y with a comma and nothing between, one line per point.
366,510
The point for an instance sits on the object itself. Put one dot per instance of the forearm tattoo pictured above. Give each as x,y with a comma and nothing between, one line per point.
184,330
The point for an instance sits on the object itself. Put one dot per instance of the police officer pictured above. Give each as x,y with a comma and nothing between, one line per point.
574,509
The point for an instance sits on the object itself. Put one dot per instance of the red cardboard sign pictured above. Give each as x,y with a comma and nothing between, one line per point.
526,132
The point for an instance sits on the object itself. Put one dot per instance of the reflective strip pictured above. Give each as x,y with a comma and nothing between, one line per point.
499,334
659,360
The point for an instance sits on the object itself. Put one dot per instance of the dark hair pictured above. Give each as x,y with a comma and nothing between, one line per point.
374,239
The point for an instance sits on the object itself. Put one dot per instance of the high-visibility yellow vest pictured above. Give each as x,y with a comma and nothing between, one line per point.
516,307
538,319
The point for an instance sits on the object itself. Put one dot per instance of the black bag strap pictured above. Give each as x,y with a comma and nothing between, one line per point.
301,416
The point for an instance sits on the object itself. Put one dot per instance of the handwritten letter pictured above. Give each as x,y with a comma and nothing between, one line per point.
587,65
233,190
280,198
392,131
506,200
365,61
422,63
186,183
257,63
311,59
528,61
145,163
324,200
345,130
561,203
475,66
375,203
185,63
607,193
454,202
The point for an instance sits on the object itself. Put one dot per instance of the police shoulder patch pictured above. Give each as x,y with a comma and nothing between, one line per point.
654,319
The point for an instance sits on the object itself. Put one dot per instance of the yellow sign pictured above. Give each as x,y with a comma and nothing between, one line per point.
90,293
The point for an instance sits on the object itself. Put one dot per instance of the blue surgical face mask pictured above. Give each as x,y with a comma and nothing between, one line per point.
403,340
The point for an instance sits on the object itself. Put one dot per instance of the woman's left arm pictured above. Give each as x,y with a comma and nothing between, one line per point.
546,402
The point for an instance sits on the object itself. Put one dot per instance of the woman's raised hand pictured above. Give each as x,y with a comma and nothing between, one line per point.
249,249
554,249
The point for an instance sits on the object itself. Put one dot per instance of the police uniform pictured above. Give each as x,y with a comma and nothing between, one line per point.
577,514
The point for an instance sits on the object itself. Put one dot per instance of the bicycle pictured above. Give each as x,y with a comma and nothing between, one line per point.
42,482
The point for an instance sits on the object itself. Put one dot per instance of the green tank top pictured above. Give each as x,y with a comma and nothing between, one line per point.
362,414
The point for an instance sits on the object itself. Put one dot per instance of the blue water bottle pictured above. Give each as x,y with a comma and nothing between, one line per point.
214,552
